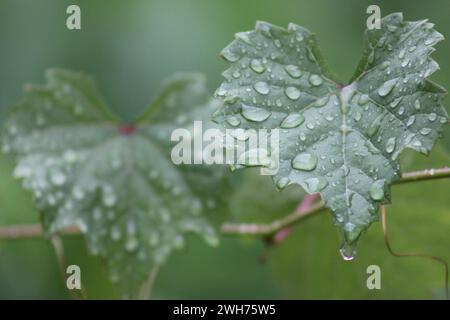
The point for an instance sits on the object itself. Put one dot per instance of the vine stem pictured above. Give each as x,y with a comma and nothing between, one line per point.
12,232
299,215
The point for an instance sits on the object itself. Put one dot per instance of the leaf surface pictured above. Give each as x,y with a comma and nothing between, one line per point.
341,141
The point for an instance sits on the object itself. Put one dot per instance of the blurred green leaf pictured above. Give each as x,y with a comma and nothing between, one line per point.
341,141
115,182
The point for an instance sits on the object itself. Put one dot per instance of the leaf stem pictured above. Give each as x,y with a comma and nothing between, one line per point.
299,215
35,230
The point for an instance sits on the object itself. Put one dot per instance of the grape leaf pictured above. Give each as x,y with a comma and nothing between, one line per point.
115,182
341,141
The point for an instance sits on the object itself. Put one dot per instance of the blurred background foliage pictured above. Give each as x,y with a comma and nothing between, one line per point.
129,47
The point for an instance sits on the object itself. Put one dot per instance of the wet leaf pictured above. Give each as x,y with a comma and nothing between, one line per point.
341,141
115,182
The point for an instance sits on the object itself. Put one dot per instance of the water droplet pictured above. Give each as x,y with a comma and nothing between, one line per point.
115,233
410,121
425,131
322,101
390,145
254,114
293,120
233,121
375,126
236,74
417,105
78,193
316,184
282,183
412,48
357,116
395,103
304,161
292,93
401,111
229,55
57,177
132,244
376,190
387,87
401,55
428,41
261,87
363,99
257,66
432,117
347,251
293,71
315,80
109,198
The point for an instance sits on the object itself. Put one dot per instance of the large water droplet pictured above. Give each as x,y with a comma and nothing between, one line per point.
304,161
390,145
293,71
387,87
261,87
315,80
376,190
257,66
255,114
292,93
292,120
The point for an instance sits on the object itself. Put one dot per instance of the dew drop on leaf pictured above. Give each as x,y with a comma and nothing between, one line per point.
293,71
315,80
293,120
255,114
257,66
305,162
377,190
292,93
261,87
387,87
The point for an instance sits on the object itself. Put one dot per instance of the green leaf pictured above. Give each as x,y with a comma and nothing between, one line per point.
115,182
341,141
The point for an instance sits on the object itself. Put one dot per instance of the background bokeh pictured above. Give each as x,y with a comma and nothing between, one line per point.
129,47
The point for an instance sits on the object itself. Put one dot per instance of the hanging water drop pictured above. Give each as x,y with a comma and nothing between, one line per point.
347,251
